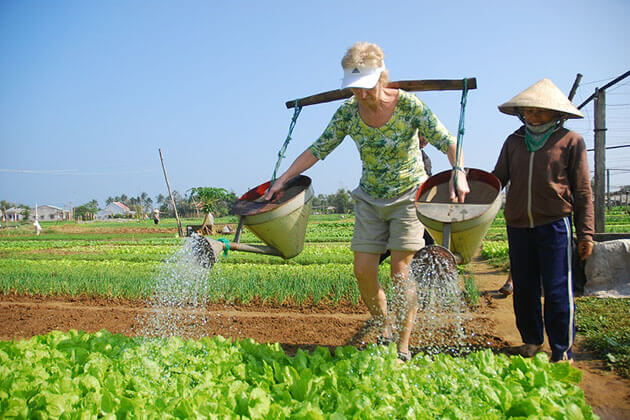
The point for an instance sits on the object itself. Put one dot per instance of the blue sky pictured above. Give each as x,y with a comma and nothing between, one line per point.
91,90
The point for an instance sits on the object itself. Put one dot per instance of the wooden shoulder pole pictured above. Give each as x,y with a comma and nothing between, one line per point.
179,224
409,85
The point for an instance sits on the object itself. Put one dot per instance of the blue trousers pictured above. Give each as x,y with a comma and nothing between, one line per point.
540,257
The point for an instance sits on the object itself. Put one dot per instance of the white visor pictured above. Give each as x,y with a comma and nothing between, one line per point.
361,77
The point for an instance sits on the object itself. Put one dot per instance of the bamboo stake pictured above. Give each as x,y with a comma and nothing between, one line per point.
179,224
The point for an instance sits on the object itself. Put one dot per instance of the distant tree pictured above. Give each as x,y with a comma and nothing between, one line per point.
148,204
27,211
320,201
211,200
86,211
137,210
342,200
145,202
184,207
159,199
119,199
4,205
164,205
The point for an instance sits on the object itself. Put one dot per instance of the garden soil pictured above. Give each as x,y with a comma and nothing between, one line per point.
302,326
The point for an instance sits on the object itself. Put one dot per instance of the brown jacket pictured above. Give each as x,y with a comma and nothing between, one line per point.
548,184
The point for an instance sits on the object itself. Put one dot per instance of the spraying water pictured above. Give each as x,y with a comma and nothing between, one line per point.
432,287
177,307
442,310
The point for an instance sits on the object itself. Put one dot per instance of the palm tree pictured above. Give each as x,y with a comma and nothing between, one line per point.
143,200
208,198
148,204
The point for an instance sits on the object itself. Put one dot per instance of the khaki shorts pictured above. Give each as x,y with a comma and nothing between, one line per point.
383,224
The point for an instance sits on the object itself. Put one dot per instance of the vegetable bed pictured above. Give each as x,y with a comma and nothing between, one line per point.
102,375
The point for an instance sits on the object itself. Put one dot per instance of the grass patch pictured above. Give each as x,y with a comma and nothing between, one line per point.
605,325
496,253
471,291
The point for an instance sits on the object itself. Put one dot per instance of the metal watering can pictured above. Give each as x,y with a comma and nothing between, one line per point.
280,222
460,228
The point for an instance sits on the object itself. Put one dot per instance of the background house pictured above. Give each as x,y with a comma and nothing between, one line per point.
15,214
50,213
114,209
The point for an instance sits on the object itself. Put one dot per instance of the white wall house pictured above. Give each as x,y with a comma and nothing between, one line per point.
14,214
114,209
49,213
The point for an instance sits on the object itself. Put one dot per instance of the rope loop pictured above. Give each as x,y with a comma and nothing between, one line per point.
460,130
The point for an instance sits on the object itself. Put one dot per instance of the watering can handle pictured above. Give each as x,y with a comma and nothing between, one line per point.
460,131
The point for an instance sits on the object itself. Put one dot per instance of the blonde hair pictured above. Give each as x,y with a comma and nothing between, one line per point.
365,54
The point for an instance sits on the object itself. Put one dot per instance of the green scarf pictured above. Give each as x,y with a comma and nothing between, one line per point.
537,135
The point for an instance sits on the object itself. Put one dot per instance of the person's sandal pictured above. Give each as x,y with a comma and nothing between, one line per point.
507,288
404,357
526,350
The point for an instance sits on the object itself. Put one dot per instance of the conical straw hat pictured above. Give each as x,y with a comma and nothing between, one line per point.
542,94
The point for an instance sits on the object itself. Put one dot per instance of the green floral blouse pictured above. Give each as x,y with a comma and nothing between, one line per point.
392,161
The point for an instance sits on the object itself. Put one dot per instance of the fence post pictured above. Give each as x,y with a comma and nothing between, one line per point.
600,159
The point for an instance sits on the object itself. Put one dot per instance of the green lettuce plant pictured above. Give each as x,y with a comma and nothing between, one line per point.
102,375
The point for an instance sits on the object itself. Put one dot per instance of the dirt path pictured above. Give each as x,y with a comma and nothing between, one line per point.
607,393
297,327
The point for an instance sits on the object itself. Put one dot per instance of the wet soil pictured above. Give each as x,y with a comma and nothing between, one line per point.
490,325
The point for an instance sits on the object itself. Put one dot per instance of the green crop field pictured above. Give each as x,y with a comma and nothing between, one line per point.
96,259
79,375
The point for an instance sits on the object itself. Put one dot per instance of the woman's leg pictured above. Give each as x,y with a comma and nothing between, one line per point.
366,272
406,296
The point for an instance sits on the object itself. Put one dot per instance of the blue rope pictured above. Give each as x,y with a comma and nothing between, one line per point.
460,131
296,113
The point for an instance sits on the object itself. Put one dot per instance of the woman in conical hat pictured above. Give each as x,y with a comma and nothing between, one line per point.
549,192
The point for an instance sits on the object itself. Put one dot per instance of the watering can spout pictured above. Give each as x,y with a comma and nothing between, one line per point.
205,251
430,256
